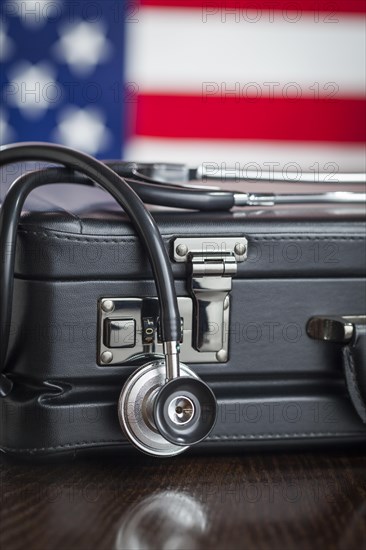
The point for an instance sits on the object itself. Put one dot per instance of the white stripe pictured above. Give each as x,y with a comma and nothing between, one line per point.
175,51
350,158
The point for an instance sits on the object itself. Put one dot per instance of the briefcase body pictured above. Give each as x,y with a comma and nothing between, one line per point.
262,293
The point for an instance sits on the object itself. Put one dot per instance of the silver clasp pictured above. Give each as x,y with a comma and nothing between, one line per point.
212,262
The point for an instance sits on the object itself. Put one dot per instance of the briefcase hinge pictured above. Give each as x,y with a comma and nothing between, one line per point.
212,262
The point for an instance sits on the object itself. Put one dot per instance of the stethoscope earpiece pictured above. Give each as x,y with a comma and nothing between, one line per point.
163,418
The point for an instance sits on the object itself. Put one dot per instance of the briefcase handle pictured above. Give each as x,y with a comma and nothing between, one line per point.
350,332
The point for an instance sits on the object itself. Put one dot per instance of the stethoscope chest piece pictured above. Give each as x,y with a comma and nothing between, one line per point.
164,418
185,411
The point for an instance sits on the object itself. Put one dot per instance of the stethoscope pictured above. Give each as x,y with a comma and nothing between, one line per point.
165,172
152,181
164,407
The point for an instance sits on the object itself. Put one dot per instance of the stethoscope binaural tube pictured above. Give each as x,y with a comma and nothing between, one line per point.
182,175
177,195
204,173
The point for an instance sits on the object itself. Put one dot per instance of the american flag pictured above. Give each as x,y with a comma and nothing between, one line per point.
255,82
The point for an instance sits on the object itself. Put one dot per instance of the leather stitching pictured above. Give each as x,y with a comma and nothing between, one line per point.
65,446
212,438
281,435
133,238
79,239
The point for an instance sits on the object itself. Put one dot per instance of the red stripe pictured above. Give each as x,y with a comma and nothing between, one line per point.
329,6
172,116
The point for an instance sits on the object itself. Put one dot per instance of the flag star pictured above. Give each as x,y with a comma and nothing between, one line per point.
33,89
83,46
6,43
7,134
83,129
34,13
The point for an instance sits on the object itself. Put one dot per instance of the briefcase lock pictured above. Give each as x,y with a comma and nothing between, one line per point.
212,262
129,328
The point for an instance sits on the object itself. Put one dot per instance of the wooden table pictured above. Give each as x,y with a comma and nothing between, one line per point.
253,501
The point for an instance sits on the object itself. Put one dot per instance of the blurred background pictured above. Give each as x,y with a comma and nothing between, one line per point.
255,83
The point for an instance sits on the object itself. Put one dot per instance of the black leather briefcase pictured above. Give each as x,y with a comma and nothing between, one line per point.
274,323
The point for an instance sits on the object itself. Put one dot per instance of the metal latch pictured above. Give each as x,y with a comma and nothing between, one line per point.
212,262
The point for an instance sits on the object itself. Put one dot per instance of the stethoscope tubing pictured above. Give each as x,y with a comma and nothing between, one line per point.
118,187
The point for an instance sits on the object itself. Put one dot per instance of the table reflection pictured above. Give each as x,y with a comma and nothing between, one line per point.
166,520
